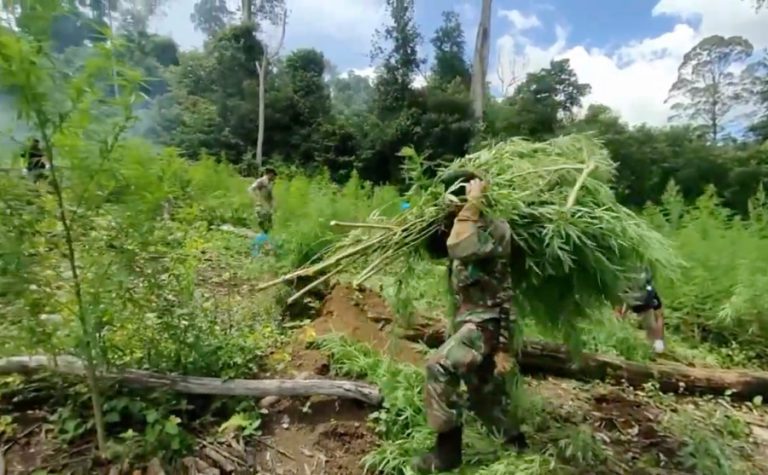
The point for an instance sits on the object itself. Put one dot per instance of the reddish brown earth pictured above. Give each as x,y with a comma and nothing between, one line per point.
363,316
324,435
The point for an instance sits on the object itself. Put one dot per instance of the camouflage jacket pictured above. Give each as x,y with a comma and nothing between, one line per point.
264,187
480,270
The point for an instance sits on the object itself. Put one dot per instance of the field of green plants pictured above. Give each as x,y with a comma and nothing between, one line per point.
174,293
120,260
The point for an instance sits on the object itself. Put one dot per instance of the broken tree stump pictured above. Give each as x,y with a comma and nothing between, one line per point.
197,384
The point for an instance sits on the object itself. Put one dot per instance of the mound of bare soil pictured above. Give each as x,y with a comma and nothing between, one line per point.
363,316
322,435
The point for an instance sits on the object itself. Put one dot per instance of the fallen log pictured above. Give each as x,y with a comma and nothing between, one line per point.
197,384
538,357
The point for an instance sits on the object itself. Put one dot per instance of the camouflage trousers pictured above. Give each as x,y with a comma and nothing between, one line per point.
468,357
264,219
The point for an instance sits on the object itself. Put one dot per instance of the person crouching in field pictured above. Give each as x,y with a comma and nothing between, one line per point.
265,203
642,298
479,250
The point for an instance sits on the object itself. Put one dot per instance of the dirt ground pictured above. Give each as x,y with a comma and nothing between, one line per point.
321,435
362,315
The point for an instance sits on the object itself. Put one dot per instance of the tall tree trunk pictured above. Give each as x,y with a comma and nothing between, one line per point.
262,68
480,63
247,6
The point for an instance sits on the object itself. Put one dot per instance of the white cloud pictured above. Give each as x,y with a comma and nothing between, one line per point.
635,78
720,17
369,72
419,80
520,21
349,20
468,15
518,55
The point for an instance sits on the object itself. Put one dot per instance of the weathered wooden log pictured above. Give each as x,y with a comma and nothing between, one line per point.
197,384
538,357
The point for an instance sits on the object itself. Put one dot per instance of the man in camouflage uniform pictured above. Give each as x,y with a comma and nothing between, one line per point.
479,250
265,205
641,297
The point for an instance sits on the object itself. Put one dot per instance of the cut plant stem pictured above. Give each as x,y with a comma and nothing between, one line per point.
306,271
393,253
343,224
314,284
579,183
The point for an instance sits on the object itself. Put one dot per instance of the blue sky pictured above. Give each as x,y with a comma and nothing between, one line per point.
628,50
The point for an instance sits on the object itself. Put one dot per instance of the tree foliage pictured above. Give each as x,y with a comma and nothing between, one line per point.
351,93
449,63
541,104
708,86
397,48
211,16
207,102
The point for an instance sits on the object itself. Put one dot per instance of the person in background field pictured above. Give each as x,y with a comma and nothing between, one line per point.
479,250
262,190
644,301
36,161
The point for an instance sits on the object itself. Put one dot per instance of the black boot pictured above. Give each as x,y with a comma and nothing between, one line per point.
516,440
445,456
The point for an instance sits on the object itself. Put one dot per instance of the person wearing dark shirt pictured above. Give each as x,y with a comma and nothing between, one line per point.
644,301
37,163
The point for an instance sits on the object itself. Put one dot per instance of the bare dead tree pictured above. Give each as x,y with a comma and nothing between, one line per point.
269,55
480,62
514,72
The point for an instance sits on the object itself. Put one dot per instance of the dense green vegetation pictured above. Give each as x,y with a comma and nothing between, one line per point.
119,258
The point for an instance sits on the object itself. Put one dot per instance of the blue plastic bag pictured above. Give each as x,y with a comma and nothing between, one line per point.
405,206
260,242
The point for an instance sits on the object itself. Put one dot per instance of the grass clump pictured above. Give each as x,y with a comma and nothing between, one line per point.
401,423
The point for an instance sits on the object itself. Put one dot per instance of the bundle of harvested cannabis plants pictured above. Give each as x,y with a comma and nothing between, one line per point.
580,244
